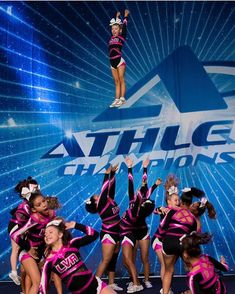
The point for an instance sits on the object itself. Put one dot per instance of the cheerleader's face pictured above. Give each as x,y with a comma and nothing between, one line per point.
96,197
52,235
194,208
173,201
116,30
40,205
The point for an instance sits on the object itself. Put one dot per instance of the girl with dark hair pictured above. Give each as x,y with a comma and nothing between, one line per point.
108,211
176,223
172,201
33,245
127,227
20,216
202,276
141,229
199,208
65,260
188,193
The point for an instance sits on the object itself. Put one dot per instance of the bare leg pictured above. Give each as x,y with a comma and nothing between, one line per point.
169,261
135,250
162,264
121,73
111,273
144,250
27,284
127,252
32,270
116,82
111,277
107,253
23,279
14,255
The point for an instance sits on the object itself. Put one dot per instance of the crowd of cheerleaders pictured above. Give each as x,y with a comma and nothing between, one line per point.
48,252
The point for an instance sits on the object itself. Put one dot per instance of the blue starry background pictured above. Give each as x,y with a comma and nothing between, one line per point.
55,78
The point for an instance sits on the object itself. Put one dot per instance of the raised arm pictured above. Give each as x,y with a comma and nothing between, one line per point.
136,204
112,181
154,186
125,20
104,190
145,166
90,234
131,192
118,14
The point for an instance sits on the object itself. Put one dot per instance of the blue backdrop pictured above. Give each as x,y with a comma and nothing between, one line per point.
56,124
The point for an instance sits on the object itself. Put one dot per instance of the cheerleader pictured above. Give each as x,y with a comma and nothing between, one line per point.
117,63
177,222
127,227
65,260
33,245
108,211
199,208
20,216
141,229
172,200
203,274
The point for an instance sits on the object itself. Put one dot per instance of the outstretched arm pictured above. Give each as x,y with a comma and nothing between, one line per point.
126,13
145,166
124,31
129,163
136,204
154,186
104,190
112,181
118,14
107,173
90,234
221,266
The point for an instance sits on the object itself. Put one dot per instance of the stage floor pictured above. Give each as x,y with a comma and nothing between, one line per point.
178,285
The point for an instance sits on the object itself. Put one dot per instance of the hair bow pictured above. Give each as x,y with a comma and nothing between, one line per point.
186,189
114,21
203,202
55,222
172,190
25,193
33,188
88,201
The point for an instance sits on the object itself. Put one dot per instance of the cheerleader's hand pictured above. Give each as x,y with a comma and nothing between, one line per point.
126,13
108,170
156,211
146,162
164,210
158,182
115,168
222,259
129,162
70,225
